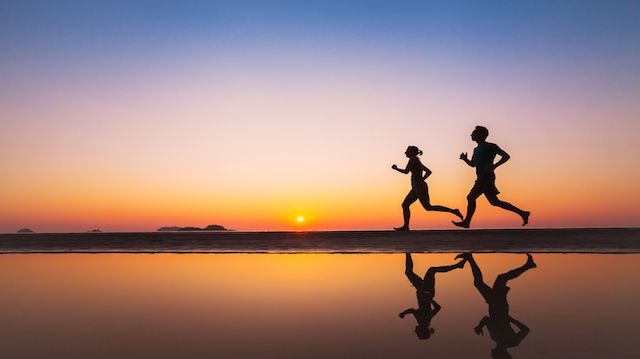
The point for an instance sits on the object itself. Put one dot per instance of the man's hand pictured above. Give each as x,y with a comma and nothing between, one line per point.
463,156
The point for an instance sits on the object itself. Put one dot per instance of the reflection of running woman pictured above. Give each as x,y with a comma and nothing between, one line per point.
425,291
419,189
499,321
482,159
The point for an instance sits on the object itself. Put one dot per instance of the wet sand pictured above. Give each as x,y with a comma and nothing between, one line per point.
566,240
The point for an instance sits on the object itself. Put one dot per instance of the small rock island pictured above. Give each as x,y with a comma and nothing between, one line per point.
211,227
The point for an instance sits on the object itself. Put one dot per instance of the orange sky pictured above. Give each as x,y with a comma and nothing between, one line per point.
223,127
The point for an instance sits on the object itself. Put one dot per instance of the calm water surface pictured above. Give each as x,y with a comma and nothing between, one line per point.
316,305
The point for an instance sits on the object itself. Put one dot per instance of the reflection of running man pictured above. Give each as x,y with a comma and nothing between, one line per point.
425,291
499,321
483,156
419,189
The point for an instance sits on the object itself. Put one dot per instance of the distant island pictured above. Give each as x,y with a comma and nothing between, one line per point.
25,230
212,227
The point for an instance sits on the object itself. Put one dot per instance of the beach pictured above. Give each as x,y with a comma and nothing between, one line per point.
567,240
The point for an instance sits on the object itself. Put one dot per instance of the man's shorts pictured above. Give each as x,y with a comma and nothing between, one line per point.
485,184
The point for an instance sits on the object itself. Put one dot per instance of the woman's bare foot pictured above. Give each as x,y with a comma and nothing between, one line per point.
525,218
530,263
465,256
462,224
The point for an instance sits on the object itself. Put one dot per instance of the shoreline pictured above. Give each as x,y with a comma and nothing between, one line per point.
565,240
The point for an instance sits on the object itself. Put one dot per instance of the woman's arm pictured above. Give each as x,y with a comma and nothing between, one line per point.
436,308
427,172
410,310
401,170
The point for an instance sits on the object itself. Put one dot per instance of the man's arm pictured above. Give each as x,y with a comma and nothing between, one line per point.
524,330
482,324
504,157
463,156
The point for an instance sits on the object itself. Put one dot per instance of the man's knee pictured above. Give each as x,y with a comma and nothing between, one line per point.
493,200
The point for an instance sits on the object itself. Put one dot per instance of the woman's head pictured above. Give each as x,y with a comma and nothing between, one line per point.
424,332
412,151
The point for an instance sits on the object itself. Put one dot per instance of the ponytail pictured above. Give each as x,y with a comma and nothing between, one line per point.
414,150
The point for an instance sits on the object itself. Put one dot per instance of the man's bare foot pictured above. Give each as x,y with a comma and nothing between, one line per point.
530,262
401,229
462,224
457,213
525,218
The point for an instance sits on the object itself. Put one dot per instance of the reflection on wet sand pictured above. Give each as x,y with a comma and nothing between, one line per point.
498,322
425,292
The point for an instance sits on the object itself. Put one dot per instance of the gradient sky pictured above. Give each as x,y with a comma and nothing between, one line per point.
125,116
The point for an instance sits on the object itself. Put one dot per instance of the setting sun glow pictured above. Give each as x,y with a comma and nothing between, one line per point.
300,219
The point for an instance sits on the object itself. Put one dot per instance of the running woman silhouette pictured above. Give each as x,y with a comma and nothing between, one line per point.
425,291
483,156
419,189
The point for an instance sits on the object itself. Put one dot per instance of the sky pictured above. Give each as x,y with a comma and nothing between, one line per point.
128,116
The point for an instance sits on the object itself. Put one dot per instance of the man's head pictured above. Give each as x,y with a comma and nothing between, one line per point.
479,134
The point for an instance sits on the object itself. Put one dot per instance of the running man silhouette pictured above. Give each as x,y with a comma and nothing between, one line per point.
483,156
425,291
499,321
419,189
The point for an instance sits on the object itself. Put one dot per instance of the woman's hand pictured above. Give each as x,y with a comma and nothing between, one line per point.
394,167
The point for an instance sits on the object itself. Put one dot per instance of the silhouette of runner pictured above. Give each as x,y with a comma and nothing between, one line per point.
419,189
499,321
482,159
425,291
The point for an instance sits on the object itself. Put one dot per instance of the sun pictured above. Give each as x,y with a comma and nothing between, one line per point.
300,219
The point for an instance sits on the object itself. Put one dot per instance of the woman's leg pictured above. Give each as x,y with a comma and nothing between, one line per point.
423,196
411,197
502,279
408,271
430,276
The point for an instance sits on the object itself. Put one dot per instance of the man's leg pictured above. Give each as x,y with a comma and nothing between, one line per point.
493,199
471,208
478,281
502,279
